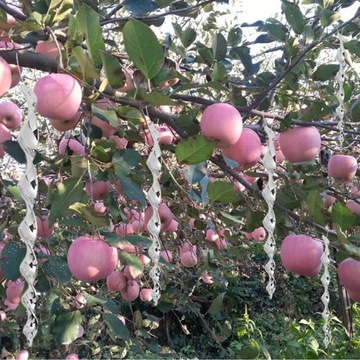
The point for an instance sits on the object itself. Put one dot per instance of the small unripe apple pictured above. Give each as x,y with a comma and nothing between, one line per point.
164,213
10,115
301,254
188,259
342,167
99,189
116,281
259,234
131,291
58,96
223,123
91,259
5,76
300,144
349,274
146,294
14,290
72,144
246,151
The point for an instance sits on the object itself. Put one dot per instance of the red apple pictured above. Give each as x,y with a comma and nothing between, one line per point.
72,356
301,143
79,301
166,136
188,259
354,295
90,258
167,256
342,167
75,146
223,123
164,213
259,234
146,294
43,228
354,206
65,125
116,281
172,227
131,291
211,235
10,115
15,69
5,75
14,290
22,355
49,49
99,189
301,254
5,135
328,200
349,274
246,151
58,96
124,230
206,278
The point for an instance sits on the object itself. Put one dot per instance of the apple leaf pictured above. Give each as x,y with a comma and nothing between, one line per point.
194,150
125,160
116,326
66,327
131,190
222,191
216,305
57,267
157,99
87,67
342,216
88,22
140,7
294,16
315,206
11,257
143,48
88,213
219,46
67,193
113,70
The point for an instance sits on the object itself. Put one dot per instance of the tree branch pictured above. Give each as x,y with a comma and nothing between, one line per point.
12,11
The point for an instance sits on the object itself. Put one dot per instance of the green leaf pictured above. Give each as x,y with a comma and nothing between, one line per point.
113,70
67,193
315,207
235,36
116,326
194,150
57,268
88,22
131,190
325,72
219,46
143,48
242,53
108,115
11,258
88,69
113,239
98,299
341,236
140,7
156,99
342,216
276,31
131,260
125,161
294,16
66,327
88,213
217,305
222,191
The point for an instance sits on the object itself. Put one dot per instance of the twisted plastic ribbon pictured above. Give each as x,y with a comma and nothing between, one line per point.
154,197
28,186
340,94
269,220
325,298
